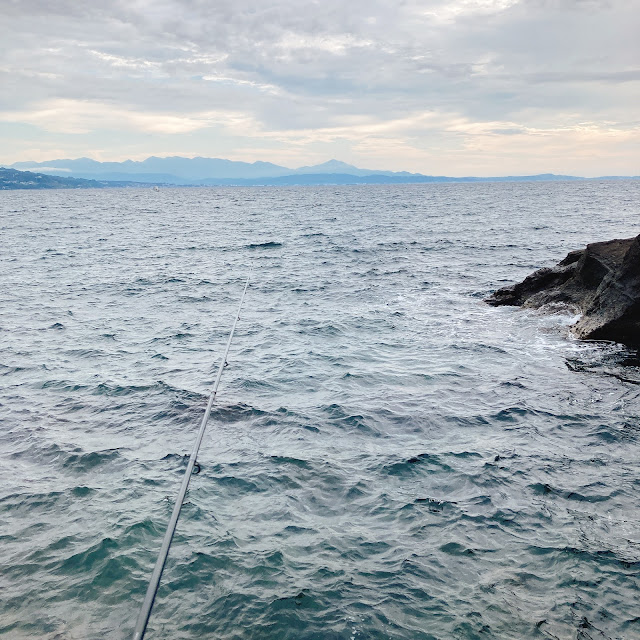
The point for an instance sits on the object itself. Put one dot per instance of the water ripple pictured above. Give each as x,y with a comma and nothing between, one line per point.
388,458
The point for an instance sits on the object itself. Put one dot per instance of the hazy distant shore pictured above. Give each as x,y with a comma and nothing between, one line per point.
11,179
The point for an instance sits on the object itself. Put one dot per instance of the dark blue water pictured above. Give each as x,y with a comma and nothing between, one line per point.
389,457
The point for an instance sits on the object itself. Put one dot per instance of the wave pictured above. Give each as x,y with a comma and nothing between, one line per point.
264,245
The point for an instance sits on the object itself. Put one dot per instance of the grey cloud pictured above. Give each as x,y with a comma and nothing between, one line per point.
612,77
317,64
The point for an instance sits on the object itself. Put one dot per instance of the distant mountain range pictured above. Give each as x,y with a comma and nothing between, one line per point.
190,171
198,171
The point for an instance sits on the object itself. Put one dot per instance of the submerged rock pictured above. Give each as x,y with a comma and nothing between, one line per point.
602,282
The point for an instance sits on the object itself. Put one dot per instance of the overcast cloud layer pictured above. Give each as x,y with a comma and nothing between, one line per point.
457,87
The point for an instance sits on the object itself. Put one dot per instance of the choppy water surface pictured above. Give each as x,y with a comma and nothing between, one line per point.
389,457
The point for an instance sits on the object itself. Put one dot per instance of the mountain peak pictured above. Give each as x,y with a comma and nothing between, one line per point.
330,165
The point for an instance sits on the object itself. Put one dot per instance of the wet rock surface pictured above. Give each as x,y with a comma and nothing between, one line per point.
601,281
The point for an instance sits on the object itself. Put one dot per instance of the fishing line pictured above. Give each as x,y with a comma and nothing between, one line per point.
154,583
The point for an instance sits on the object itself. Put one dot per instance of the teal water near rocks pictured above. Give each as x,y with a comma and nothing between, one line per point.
389,457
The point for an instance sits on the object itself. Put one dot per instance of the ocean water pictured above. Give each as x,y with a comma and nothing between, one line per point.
389,457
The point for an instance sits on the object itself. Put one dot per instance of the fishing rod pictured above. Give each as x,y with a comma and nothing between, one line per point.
154,583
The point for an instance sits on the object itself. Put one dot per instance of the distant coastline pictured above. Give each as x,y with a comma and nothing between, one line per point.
12,179
215,172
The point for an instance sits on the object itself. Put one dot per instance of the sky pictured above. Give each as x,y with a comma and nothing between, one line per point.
440,87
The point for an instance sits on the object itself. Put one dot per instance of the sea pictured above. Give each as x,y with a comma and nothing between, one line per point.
388,457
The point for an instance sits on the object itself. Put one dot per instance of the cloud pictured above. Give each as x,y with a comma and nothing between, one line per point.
310,74
78,117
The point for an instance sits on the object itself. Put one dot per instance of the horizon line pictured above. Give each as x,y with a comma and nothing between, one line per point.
304,166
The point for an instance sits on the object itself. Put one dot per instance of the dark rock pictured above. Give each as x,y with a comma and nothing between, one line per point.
602,282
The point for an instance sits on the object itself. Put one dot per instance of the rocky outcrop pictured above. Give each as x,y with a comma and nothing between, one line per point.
602,282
